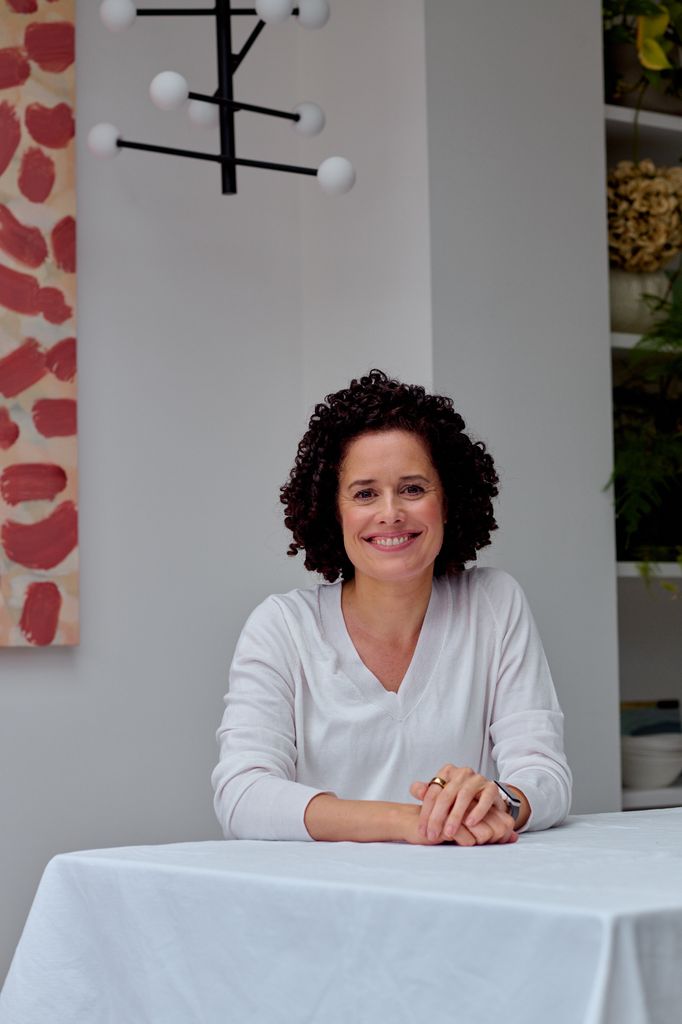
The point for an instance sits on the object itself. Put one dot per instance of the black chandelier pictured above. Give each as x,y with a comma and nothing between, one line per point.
170,91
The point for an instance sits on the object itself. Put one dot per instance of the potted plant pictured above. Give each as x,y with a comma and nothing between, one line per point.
647,474
643,54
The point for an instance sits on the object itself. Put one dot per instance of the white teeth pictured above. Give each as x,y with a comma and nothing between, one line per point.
390,542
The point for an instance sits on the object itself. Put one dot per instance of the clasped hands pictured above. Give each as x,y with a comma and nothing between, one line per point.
468,811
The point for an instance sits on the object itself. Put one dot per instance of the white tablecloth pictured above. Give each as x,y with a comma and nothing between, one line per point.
579,925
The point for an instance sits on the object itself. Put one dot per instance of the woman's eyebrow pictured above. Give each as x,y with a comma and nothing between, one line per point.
366,483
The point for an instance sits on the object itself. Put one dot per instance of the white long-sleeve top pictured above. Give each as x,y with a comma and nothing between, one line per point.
304,715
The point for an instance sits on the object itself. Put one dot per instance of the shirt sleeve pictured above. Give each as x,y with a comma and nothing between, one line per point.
527,722
256,795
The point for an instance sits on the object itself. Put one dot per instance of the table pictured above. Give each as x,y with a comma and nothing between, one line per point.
578,925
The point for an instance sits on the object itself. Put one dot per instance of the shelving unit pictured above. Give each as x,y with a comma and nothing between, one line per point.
659,138
662,570
624,340
648,799
653,127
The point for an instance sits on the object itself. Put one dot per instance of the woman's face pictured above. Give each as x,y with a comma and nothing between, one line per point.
391,506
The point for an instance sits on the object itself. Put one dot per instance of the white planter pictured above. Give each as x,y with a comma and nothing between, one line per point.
629,313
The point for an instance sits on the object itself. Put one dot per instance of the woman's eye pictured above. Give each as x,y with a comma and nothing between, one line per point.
364,495
414,489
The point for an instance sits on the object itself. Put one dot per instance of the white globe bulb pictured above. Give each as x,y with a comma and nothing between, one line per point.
313,13
169,90
274,11
206,115
103,140
117,15
336,175
311,119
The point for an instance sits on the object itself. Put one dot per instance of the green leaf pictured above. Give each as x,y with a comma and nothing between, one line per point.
651,55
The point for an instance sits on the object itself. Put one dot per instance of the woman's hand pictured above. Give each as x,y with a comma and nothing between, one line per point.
468,801
411,833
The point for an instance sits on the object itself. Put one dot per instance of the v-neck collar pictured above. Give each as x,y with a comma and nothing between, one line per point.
432,635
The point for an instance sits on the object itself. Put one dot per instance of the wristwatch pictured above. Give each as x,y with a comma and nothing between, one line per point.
512,802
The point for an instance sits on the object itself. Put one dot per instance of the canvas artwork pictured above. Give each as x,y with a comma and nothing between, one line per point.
38,467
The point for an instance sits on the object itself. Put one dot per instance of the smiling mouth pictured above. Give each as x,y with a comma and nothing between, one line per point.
388,543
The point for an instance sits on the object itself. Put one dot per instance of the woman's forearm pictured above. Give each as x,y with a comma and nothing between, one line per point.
329,819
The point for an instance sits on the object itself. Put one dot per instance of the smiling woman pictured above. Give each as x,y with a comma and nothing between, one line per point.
405,667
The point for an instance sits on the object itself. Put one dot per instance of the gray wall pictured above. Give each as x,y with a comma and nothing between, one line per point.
521,330
194,389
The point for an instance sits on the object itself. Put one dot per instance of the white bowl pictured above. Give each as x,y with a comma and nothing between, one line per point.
642,771
659,742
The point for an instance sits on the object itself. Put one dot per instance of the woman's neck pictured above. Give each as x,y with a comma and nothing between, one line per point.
389,612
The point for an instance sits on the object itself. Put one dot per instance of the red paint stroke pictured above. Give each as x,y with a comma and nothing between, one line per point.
10,134
53,305
14,68
44,544
55,417
32,481
40,615
22,368
22,294
23,6
19,292
36,175
9,431
64,244
50,126
50,44
25,244
61,359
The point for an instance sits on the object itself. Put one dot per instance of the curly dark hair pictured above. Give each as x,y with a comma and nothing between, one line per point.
376,403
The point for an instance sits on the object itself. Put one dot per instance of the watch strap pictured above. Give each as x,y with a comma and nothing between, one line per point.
511,800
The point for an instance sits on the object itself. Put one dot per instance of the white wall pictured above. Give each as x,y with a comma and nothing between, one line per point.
521,331
366,263
208,326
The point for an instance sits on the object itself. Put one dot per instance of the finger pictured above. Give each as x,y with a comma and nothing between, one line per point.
463,837
433,791
418,790
440,811
463,804
482,833
488,797
502,825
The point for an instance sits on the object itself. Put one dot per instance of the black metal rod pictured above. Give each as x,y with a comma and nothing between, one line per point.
238,105
215,157
186,12
278,167
223,31
239,57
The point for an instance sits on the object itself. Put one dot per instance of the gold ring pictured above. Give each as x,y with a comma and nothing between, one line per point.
439,782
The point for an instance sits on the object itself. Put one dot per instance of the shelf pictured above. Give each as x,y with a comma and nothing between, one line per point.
653,127
624,340
649,799
659,570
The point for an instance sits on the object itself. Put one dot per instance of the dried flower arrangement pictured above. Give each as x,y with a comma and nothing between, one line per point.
644,205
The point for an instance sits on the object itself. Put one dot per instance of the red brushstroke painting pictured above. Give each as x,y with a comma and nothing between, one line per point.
38,412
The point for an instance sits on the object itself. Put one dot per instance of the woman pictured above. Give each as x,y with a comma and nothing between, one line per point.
404,673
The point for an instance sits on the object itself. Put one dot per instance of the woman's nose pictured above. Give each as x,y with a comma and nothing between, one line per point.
391,510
